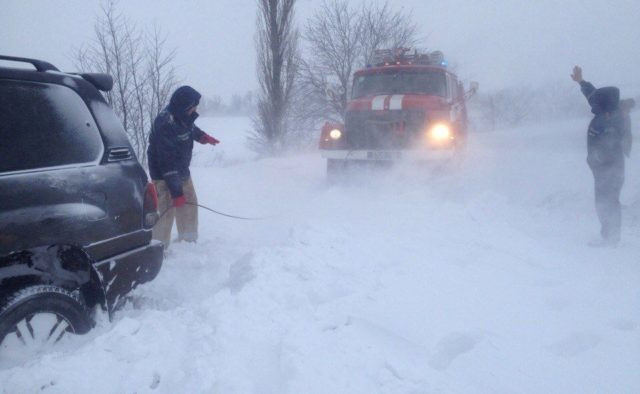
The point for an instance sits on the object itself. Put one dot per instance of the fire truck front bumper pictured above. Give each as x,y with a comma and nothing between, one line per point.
390,155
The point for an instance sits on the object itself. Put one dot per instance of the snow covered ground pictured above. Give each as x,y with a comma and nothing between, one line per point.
475,280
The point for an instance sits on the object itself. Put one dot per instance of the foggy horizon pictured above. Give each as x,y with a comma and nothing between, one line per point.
498,44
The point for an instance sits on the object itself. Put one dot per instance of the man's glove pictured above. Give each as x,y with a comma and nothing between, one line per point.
577,74
179,201
207,139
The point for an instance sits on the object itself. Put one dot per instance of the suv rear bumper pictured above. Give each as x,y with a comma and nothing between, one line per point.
386,155
122,273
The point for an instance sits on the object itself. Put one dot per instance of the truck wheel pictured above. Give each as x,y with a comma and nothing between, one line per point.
34,319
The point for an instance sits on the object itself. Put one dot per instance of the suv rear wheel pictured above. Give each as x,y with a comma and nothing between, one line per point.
35,319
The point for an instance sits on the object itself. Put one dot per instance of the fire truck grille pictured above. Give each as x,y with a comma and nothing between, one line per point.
383,129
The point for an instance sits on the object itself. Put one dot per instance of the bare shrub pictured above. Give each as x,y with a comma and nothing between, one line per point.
141,66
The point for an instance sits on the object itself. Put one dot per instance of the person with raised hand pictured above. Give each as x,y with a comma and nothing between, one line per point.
605,155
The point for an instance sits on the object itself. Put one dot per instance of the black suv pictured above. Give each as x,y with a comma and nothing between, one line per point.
76,207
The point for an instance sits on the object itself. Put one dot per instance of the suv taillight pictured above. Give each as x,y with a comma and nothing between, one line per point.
150,206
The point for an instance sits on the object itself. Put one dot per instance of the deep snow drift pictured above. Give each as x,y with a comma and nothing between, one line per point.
411,280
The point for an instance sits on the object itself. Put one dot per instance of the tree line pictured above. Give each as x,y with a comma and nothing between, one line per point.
514,106
304,73
237,105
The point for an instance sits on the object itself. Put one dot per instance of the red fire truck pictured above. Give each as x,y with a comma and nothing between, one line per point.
407,105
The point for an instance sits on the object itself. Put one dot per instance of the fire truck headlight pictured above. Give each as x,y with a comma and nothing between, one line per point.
440,132
335,134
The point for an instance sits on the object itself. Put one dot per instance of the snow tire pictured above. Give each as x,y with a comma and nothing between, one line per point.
32,301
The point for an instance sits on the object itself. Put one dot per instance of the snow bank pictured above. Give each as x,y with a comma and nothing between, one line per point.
404,281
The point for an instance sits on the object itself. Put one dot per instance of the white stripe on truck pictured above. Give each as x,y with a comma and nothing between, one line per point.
377,104
396,101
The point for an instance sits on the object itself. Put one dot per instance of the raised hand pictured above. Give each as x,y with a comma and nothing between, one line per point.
577,74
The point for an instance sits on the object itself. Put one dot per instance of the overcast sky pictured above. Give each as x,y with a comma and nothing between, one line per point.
498,43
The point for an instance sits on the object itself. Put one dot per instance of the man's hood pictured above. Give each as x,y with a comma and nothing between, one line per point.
184,98
604,100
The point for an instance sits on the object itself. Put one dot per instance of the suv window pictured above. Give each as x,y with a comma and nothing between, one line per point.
44,125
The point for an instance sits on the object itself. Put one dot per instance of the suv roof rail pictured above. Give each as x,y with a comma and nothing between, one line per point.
40,65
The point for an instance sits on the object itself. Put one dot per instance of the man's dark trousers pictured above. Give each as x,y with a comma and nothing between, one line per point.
608,182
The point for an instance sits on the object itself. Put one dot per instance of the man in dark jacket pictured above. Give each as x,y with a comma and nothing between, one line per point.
169,153
605,155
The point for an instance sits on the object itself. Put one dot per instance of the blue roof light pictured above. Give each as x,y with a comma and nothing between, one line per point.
444,63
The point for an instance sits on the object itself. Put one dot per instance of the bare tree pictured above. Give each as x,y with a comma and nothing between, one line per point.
278,59
112,32
159,81
141,68
160,70
334,37
139,93
384,27
340,39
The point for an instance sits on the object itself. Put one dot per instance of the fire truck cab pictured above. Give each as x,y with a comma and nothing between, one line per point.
404,106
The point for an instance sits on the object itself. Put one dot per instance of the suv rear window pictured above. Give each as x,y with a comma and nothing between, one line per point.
44,125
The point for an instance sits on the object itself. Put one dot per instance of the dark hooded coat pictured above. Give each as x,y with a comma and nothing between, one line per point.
607,128
606,146
171,140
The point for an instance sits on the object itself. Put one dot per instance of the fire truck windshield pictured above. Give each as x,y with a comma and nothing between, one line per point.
400,82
